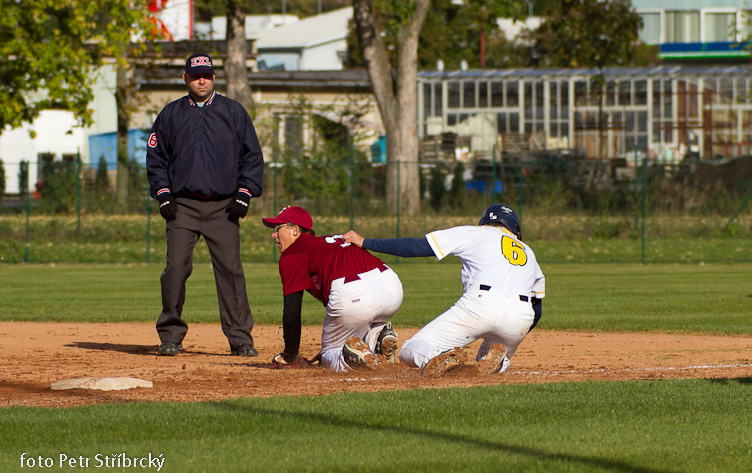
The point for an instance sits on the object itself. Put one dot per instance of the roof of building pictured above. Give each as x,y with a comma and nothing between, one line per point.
648,71
308,32
359,79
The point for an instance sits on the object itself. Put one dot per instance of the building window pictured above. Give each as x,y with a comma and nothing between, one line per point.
453,95
468,95
683,26
497,94
293,136
663,96
44,162
720,27
640,92
534,107
651,28
513,94
428,100
483,94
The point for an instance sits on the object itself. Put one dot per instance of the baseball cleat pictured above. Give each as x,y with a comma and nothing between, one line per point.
170,348
386,344
279,362
244,349
442,363
358,355
494,360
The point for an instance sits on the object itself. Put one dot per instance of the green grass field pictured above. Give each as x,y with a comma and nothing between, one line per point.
713,298
641,426
645,427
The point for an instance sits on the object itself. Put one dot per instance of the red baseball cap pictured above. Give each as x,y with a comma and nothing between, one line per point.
291,214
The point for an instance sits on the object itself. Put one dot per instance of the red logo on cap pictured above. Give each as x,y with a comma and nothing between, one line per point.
200,61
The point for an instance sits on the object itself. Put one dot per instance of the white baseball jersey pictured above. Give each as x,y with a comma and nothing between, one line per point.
491,256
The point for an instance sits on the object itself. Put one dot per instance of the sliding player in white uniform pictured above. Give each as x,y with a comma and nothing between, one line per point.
503,287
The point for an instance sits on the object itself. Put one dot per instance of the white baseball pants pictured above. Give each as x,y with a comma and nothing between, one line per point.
490,315
358,308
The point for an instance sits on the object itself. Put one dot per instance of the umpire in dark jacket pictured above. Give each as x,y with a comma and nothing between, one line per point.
204,164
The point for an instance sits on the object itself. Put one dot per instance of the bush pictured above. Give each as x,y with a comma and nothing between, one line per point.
58,187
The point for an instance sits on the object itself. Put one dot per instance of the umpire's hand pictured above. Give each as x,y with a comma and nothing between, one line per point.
167,206
238,206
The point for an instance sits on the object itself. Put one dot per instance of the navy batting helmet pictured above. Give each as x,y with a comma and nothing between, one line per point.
504,215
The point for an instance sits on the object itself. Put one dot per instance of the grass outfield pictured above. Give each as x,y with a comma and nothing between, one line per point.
713,298
656,426
646,426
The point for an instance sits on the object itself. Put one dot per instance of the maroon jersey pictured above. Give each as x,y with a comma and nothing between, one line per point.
312,263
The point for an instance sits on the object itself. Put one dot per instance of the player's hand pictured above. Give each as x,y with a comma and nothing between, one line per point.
354,238
168,207
238,206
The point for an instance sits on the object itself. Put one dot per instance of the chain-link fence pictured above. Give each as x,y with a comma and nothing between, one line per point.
571,210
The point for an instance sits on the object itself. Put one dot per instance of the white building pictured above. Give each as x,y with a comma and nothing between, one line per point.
312,44
696,29
254,24
285,42
56,135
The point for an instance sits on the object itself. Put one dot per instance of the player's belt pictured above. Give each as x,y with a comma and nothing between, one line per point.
485,287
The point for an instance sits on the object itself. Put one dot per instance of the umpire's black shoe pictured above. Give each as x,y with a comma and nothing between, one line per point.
244,350
169,348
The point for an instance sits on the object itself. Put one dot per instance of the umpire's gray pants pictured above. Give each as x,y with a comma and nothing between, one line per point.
194,219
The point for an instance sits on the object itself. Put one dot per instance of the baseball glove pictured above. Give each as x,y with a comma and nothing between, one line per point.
279,362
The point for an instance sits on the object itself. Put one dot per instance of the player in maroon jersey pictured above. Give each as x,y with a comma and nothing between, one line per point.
359,291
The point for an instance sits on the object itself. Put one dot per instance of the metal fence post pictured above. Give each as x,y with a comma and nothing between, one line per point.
636,185
78,193
148,224
397,228
744,204
28,229
352,185
642,221
493,174
519,193
274,183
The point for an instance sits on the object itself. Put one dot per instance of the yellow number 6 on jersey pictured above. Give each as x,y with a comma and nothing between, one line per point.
512,251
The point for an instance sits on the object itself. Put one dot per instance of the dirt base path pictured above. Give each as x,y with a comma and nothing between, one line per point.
34,355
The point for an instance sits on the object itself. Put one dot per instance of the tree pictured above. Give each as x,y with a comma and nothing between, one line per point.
452,32
587,33
437,188
395,88
487,12
48,53
101,181
457,188
58,187
319,171
23,179
52,49
237,51
124,103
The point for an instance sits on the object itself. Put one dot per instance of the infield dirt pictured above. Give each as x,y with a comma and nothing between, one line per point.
33,355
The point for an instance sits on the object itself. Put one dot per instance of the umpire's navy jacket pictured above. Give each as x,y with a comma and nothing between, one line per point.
204,152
